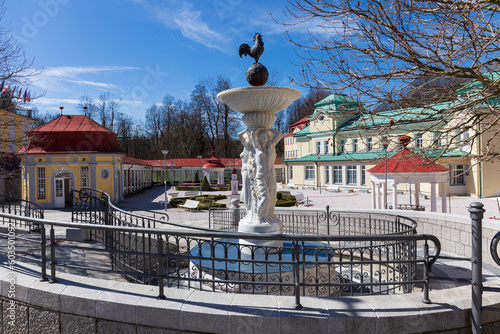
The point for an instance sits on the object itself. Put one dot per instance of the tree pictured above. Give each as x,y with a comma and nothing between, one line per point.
383,51
89,102
219,123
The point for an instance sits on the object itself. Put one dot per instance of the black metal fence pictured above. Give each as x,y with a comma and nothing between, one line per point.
20,207
321,222
327,261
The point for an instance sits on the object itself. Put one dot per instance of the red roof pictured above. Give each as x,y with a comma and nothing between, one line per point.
135,161
213,162
300,121
70,123
406,161
72,133
193,162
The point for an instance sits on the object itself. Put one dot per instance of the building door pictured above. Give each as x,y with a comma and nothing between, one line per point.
59,193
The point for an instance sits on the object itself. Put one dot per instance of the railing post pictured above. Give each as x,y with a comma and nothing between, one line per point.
43,245
426,299
161,292
476,215
52,255
328,220
296,269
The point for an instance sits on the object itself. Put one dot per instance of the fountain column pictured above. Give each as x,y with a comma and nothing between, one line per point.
258,106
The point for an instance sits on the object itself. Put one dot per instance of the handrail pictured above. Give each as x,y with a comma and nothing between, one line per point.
162,219
494,249
149,258
31,204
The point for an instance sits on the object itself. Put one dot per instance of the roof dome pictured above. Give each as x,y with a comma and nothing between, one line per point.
213,163
72,133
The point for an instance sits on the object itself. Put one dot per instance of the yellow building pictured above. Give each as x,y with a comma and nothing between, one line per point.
343,141
13,129
68,153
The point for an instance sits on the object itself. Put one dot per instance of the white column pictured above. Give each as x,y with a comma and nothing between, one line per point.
374,197
443,196
394,195
417,194
331,174
384,191
433,197
378,196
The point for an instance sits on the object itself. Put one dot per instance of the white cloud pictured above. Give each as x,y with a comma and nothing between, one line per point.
74,71
57,78
93,83
190,24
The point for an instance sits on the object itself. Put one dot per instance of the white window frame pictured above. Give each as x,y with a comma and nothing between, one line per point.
41,192
354,145
352,175
337,175
84,177
457,175
310,173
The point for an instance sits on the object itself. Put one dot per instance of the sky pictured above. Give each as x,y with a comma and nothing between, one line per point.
141,50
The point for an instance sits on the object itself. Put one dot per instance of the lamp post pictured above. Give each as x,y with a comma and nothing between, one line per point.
165,152
319,178
172,173
26,144
385,143
199,171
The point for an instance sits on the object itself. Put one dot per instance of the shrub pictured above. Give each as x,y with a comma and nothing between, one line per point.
279,195
205,186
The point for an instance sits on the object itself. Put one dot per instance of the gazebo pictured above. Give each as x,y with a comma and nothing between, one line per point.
212,167
407,167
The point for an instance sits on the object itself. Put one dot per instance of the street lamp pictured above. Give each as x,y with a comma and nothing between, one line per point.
319,179
165,152
26,144
172,173
199,171
385,143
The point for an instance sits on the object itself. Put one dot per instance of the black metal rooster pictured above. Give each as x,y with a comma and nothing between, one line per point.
255,51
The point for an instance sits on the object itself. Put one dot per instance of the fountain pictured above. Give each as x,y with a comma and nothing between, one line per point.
253,260
258,106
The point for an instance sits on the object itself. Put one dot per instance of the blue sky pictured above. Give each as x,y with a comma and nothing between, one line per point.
141,50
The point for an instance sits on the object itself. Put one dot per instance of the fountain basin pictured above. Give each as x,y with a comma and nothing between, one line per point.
263,100
259,273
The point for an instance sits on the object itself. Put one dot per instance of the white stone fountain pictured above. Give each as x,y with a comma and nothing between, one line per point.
258,106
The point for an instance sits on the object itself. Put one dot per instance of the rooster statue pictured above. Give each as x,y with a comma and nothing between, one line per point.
255,51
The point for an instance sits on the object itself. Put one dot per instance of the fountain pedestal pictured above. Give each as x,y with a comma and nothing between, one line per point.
258,106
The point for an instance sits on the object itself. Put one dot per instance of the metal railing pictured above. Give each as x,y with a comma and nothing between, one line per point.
304,266
321,222
336,258
20,207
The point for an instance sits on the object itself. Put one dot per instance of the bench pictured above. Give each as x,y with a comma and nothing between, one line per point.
191,193
171,195
300,198
190,204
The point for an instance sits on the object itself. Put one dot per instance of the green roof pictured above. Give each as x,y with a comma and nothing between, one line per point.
398,116
336,99
360,156
340,157
475,85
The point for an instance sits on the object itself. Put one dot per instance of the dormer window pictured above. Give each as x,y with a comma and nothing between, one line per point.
321,118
